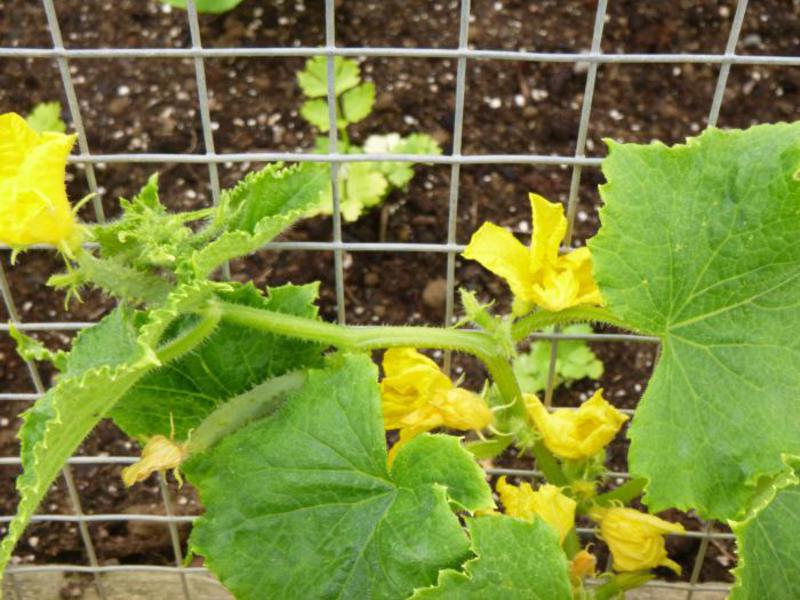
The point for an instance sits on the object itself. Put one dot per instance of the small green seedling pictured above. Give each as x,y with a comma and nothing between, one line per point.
362,185
46,116
574,360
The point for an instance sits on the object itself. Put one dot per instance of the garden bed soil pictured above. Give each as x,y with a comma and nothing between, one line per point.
150,105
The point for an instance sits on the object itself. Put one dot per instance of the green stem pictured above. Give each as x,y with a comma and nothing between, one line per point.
540,319
189,339
572,544
548,464
477,343
257,403
625,493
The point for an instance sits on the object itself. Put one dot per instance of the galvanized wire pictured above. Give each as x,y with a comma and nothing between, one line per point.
463,54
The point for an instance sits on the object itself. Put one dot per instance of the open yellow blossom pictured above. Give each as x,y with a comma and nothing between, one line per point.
576,434
635,538
159,454
33,198
417,397
556,509
539,275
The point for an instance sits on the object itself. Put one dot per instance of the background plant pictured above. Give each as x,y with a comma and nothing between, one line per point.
362,185
574,360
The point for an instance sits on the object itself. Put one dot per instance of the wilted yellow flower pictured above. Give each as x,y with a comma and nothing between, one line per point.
635,539
539,275
576,434
556,509
582,565
33,198
159,454
417,397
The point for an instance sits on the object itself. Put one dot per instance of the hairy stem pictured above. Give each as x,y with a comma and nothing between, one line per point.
189,339
259,402
477,343
540,319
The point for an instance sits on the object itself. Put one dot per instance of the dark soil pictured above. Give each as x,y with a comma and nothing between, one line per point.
150,105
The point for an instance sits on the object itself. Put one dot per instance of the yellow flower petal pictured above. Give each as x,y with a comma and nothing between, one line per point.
33,197
549,229
635,539
499,251
416,397
412,379
539,275
579,262
576,434
582,565
547,502
159,454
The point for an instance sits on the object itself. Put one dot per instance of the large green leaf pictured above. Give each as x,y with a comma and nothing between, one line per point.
700,245
515,560
769,550
106,360
233,360
302,505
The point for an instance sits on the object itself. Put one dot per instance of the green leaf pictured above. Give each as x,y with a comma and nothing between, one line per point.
106,360
260,207
769,547
357,102
313,79
440,459
698,246
400,174
46,116
233,360
32,349
316,112
515,560
574,361
207,6
364,187
302,505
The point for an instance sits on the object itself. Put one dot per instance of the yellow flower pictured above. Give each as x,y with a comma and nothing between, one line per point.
635,538
33,198
417,397
556,509
582,565
576,434
539,275
159,454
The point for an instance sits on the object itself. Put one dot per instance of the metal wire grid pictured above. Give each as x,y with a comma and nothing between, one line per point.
463,53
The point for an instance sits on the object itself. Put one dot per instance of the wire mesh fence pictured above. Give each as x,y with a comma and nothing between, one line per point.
464,55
